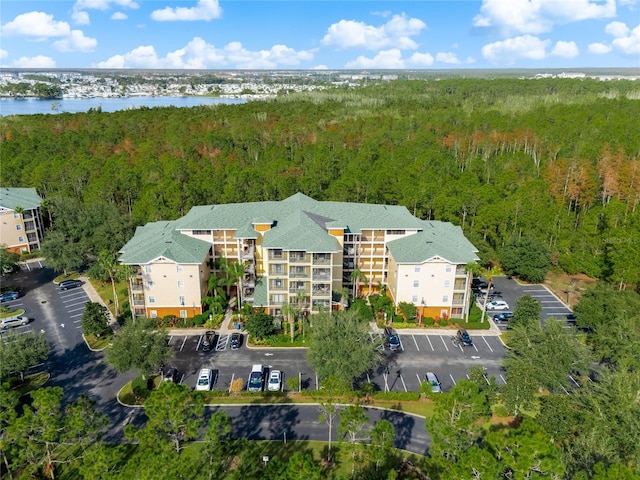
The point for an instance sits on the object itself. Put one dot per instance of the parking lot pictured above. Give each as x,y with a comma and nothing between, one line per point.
402,371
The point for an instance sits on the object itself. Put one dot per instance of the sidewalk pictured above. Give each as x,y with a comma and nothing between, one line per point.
94,297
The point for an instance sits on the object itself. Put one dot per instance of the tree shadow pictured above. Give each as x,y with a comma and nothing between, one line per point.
403,425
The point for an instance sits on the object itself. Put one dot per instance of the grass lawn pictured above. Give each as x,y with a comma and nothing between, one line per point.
67,276
32,382
10,313
98,343
105,291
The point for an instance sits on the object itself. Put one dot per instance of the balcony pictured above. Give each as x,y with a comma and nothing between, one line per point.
298,257
29,226
138,302
460,271
277,271
276,300
326,304
247,253
321,274
349,251
322,290
460,285
321,259
249,268
277,286
248,281
136,287
247,294
277,255
299,272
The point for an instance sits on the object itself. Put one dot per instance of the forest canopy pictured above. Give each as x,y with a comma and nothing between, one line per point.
553,160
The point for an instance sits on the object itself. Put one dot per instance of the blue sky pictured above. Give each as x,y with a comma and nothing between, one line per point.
331,34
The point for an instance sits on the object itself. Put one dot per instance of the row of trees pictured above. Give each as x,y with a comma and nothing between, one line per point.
554,160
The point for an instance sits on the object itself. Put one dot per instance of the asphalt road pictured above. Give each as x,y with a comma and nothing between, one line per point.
80,371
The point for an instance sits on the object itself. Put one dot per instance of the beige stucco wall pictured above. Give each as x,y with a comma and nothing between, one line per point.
9,235
166,290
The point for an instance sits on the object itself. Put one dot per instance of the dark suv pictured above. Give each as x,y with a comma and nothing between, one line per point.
67,284
464,338
393,340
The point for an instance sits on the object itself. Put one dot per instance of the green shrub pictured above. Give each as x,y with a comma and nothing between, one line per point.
500,410
185,323
429,321
140,387
200,319
400,396
443,322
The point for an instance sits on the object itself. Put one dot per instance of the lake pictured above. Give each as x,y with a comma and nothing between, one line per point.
31,106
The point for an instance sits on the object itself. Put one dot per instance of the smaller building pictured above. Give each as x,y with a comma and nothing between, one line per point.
20,221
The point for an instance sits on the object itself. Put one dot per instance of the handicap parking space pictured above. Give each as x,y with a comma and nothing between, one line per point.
74,302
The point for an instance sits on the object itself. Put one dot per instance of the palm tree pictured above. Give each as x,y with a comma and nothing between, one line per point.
356,277
290,311
488,273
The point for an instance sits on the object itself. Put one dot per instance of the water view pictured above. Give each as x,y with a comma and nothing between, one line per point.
31,106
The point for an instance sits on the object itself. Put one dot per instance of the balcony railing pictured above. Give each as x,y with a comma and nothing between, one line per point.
295,258
277,256
137,287
322,259
460,271
321,292
275,287
460,286
138,302
303,273
247,253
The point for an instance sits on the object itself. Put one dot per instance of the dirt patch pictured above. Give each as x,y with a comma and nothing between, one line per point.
568,288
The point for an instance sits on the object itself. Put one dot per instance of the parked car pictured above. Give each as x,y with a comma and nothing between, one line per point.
208,341
393,340
275,381
171,375
14,322
435,383
479,283
205,379
236,340
67,284
503,317
498,305
8,296
255,379
464,338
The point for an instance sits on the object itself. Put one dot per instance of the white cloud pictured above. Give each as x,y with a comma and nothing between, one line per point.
76,42
421,59
320,67
80,18
198,54
204,10
36,25
538,16
565,49
384,59
629,44
119,16
104,4
599,48
39,61
509,50
447,57
617,29
3,53
397,33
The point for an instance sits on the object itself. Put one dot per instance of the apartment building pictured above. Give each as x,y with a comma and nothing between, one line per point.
21,228
303,252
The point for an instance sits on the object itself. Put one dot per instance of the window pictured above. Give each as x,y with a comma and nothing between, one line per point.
20,238
414,299
18,227
183,314
180,284
147,268
149,283
396,232
445,298
448,269
417,269
201,232
416,283
181,299
278,298
154,313
277,283
16,215
179,268
447,283
152,299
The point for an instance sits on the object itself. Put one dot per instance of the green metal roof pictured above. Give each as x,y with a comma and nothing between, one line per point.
260,293
300,231
13,198
161,239
437,239
353,217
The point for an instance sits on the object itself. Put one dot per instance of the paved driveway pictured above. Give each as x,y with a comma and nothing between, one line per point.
402,371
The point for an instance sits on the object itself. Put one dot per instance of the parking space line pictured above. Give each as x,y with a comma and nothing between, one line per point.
444,343
453,379
429,340
386,385
485,341
401,345
574,381
79,326
419,381
317,386
77,321
76,315
368,378
503,379
183,342
403,384
415,341
199,342
233,375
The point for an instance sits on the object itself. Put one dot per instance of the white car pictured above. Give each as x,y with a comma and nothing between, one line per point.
205,379
275,380
498,305
435,383
14,322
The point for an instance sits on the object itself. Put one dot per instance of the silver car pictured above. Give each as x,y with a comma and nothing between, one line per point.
14,322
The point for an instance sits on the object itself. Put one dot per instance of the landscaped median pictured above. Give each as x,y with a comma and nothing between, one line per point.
407,402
